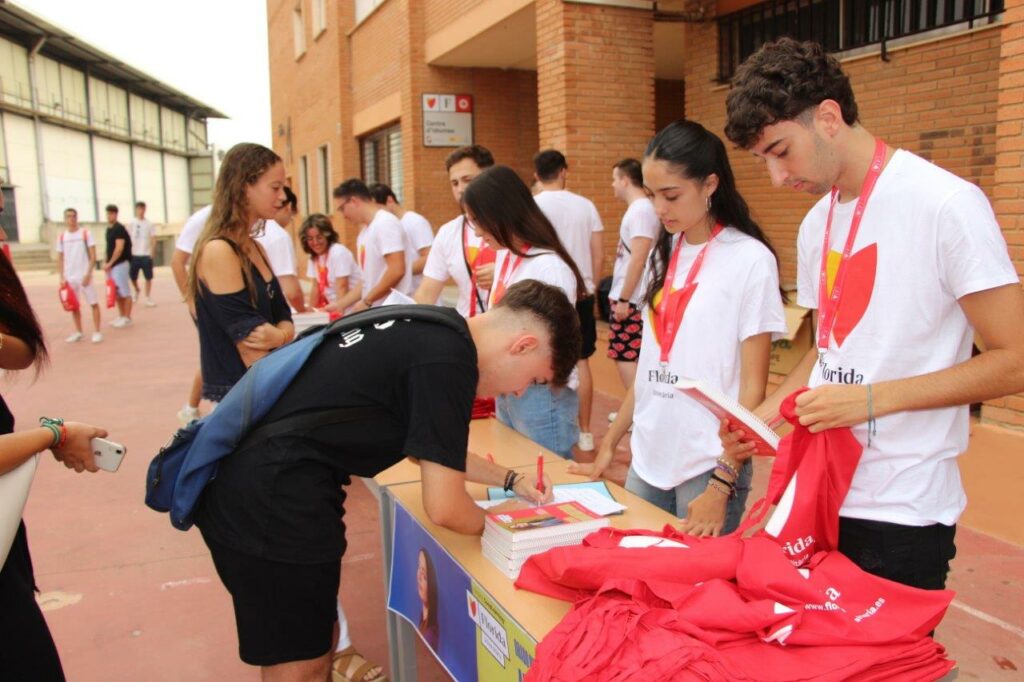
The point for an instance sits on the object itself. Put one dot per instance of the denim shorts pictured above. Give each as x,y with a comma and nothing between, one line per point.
544,414
676,500
143,264
120,274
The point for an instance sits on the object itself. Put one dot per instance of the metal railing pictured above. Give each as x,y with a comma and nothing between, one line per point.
841,24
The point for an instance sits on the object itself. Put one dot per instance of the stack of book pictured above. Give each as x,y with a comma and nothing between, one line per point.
510,538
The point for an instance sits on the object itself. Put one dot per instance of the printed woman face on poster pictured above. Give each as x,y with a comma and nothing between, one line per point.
426,586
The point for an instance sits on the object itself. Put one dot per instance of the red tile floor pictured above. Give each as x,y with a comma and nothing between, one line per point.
128,597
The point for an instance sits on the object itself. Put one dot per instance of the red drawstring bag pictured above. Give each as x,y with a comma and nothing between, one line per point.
483,408
111,292
808,483
321,286
67,297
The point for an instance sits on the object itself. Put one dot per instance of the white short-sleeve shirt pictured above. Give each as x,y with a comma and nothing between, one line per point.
455,246
926,239
737,296
639,220
192,229
339,262
75,247
142,233
384,235
418,235
276,241
575,219
541,265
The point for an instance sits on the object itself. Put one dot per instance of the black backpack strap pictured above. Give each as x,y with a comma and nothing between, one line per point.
305,422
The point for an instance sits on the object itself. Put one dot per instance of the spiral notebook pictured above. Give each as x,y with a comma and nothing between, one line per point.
724,407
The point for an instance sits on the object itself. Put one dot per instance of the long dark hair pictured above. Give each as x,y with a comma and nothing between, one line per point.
17,315
694,153
431,604
501,203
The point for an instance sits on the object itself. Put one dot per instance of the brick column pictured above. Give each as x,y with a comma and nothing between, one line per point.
1009,176
595,94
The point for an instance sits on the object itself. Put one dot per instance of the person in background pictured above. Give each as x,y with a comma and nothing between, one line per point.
579,227
713,301
119,255
240,310
380,244
277,242
331,267
419,235
501,209
28,651
143,236
458,253
426,588
76,260
179,268
638,230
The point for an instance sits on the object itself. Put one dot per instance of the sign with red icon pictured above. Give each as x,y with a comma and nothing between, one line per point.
447,120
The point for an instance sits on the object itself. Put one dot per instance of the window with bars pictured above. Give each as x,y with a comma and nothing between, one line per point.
841,24
382,159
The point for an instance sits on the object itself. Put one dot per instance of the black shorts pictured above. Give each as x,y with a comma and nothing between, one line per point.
624,337
918,556
283,612
588,326
143,263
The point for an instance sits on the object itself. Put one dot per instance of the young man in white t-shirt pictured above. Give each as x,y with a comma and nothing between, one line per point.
579,228
380,246
143,234
637,233
76,260
458,253
277,241
419,235
928,266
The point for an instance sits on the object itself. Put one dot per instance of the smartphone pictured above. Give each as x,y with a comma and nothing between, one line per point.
107,453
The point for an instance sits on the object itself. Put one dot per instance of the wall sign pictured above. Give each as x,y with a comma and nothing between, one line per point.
447,120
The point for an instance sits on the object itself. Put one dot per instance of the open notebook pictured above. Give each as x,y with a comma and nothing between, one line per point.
724,407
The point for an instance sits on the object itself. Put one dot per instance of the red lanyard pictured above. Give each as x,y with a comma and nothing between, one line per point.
669,313
506,275
828,305
484,255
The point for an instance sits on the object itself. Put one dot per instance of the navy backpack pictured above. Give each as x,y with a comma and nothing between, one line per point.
182,469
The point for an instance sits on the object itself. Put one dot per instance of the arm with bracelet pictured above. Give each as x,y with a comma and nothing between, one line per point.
69,441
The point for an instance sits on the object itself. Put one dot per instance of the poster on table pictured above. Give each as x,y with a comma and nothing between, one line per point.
504,651
430,590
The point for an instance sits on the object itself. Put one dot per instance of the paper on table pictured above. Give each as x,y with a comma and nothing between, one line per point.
592,500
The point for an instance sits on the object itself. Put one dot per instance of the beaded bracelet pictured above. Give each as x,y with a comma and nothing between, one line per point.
510,480
728,492
727,468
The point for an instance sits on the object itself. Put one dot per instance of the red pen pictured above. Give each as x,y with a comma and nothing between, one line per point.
540,473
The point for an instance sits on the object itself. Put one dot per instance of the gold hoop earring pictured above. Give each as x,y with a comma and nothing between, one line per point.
709,203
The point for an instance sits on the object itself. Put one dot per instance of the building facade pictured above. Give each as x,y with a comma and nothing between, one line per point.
80,129
352,86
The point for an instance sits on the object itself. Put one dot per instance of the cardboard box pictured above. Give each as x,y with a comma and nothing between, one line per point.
791,348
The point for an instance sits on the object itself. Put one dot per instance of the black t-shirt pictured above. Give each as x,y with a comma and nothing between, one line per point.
282,499
115,232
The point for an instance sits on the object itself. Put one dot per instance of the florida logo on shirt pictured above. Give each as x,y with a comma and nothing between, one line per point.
362,256
860,283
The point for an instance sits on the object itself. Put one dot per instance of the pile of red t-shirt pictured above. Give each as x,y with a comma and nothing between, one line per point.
779,606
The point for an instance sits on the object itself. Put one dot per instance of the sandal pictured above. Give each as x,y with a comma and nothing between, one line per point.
349,665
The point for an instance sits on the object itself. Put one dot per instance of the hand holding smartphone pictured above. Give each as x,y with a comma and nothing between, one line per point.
107,453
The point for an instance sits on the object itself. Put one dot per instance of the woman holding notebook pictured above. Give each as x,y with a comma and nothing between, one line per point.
711,304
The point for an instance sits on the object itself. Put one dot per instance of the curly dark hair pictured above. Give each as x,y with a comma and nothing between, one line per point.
322,224
550,305
780,82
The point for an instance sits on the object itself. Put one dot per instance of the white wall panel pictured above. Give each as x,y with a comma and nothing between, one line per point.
24,169
149,183
68,172
176,179
114,176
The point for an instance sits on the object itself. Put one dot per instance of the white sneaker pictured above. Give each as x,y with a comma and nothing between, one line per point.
74,338
188,414
586,441
135,297
97,337
126,322
118,322
150,303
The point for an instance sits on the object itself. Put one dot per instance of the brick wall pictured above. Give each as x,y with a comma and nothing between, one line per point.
595,83
438,14
379,49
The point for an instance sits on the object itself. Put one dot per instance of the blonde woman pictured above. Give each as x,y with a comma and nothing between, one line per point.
240,309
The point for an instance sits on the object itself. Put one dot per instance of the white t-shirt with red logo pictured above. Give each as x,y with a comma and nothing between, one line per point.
75,247
384,235
575,219
926,239
674,437
339,262
455,244
418,235
639,220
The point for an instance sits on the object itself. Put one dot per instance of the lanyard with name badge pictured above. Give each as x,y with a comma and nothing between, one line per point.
828,305
506,274
484,256
670,310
